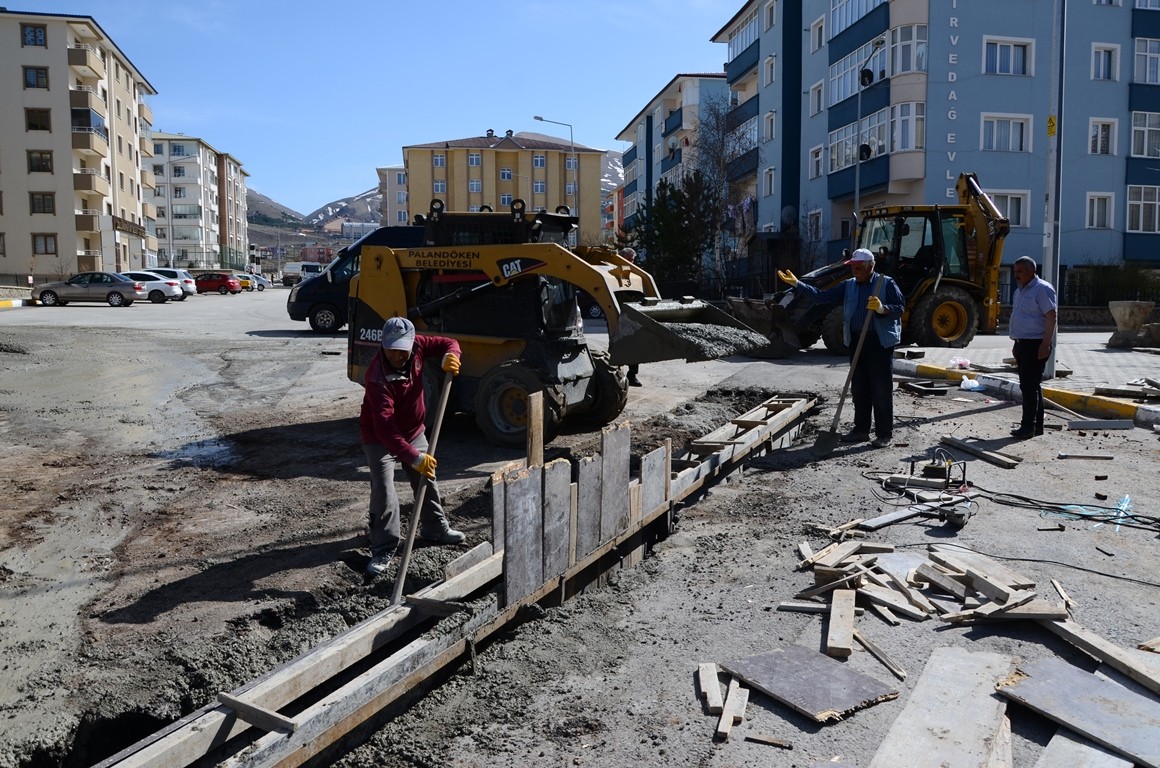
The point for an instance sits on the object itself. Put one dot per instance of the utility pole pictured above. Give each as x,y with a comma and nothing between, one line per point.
1053,185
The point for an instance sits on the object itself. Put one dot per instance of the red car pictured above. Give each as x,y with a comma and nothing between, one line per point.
221,282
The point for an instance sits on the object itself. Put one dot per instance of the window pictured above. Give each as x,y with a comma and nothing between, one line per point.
1013,205
401,217
570,162
474,185
400,178
770,13
539,161
162,213
505,199
818,34
844,73
39,161
816,162
1105,2
3,251
1099,210
908,49
474,159
1142,209
440,186
1147,60
35,77
33,34
908,126
843,13
1104,62
162,233
767,182
744,34
440,160
817,98
505,174
178,171
843,142
770,69
401,198
44,244
770,129
158,149
37,120
1006,57
539,187
1151,5
1006,134
1146,134
178,192
1102,137
42,202
159,190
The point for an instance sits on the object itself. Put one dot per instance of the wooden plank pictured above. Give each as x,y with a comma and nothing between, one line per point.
991,587
523,560
1070,750
982,453
952,714
1000,752
805,551
892,600
710,687
840,629
884,613
573,509
497,502
614,443
588,505
792,606
839,553
535,429
1108,714
468,560
940,581
1101,424
1152,645
438,607
959,559
810,682
257,716
1119,659
736,698
897,516
880,654
652,480
557,506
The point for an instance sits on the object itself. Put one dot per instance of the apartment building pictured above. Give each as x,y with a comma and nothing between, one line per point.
200,200
393,206
494,170
74,139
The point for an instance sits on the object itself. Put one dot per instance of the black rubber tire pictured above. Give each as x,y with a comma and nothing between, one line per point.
117,300
223,290
325,318
832,334
501,404
157,297
808,336
594,312
50,299
261,287
611,392
182,297
947,317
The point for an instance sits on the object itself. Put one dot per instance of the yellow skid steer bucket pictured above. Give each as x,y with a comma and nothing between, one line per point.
672,329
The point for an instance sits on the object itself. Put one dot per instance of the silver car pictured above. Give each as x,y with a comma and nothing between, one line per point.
159,289
111,287
188,286
261,282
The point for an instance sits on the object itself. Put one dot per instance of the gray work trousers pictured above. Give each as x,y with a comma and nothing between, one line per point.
383,514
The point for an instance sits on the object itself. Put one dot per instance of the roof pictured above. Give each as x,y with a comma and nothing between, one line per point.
669,84
722,34
514,143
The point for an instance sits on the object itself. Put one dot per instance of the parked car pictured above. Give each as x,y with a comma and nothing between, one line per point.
159,289
261,282
245,280
188,285
588,306
111,287
221,282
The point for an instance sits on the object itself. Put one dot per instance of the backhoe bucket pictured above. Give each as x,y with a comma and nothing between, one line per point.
770,317
672,329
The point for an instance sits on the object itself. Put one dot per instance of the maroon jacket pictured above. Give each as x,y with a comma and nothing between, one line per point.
393,410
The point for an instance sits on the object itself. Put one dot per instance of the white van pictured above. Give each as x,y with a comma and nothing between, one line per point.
295,272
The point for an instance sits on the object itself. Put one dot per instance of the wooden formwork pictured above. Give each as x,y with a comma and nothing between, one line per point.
552,524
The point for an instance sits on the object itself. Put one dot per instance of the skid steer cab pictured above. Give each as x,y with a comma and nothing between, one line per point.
504,285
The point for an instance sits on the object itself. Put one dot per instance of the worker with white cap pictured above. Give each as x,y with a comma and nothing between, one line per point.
392,428
872,384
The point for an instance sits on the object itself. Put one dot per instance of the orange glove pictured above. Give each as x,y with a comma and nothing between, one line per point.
787,277
425,465
451,363
875,305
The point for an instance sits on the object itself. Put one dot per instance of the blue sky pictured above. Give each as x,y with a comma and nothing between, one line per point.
313,96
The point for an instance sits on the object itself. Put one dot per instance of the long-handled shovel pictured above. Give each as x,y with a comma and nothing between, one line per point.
826,442
416,512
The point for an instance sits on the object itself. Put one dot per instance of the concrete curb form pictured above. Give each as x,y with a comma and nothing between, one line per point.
1101,405
10,303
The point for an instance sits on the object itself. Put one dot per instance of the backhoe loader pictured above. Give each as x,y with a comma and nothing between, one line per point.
945,258
504,286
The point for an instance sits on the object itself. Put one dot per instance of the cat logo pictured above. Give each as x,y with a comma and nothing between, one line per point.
514,267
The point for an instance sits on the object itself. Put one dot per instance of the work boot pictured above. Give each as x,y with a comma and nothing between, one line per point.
854,436
1023,433
881,441
378,564
634,382
446,535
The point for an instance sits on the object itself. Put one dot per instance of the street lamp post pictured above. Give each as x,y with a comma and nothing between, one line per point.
575,162
865,79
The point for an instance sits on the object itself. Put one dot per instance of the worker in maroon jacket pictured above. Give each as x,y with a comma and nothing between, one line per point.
391,427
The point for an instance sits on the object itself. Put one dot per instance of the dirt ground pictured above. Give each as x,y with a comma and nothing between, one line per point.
201,521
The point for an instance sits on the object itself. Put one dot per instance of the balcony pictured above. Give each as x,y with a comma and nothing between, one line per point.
145,112
85,97
151,243
742,166
90,180
90,141
148,180
145,143
88,221
87,63
148,210
675,121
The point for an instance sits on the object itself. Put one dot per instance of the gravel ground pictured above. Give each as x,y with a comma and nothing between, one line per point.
184,513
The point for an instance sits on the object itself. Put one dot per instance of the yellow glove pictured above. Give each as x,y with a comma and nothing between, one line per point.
425,465
451,363
875,305
787,277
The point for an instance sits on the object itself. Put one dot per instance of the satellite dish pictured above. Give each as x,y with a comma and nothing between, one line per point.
788,216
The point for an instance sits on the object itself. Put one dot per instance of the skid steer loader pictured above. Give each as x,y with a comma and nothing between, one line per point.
505,287
945,258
